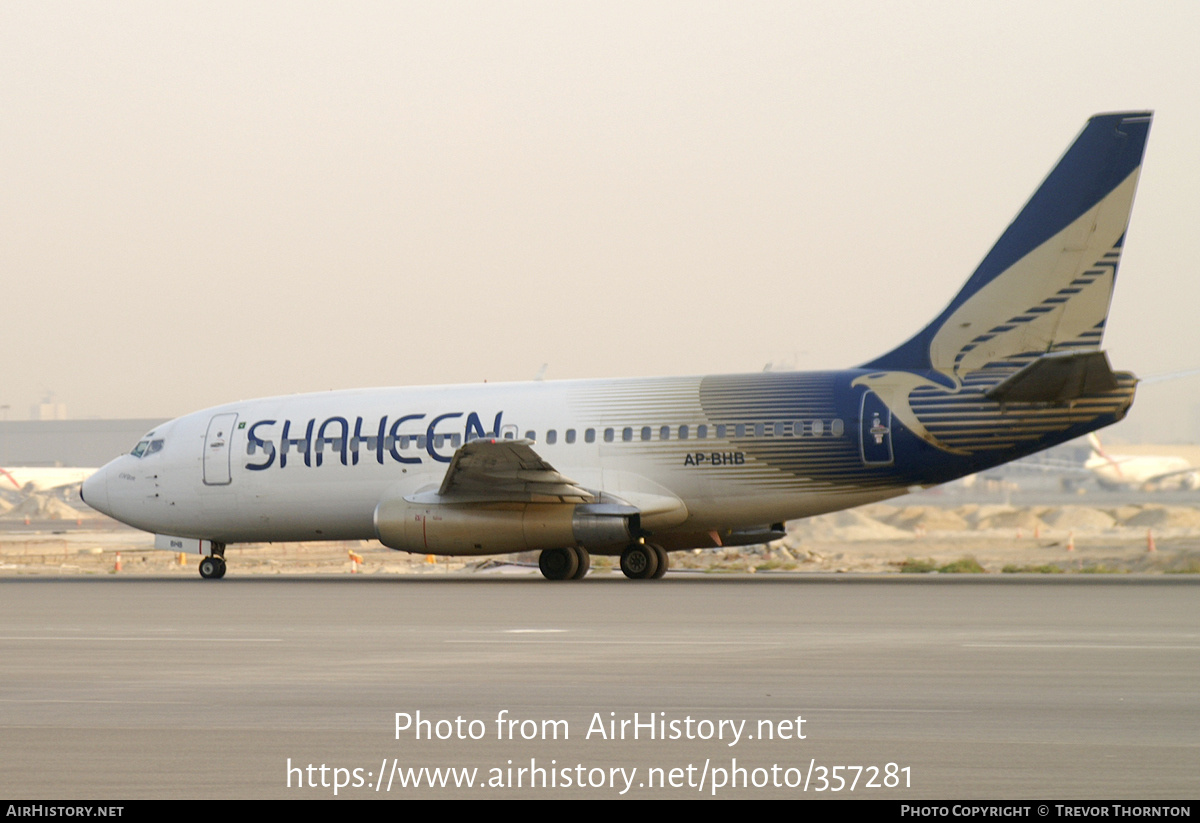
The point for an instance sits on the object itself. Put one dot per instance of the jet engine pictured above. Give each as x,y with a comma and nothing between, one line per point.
471,528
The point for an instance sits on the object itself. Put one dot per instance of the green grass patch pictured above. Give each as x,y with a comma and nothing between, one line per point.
1100,568
964,565
910,565
1045,568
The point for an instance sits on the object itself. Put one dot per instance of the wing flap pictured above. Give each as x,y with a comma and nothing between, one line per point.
507,471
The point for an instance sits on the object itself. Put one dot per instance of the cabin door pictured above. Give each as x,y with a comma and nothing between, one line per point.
216,450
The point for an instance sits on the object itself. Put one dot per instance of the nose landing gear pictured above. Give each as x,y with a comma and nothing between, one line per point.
213,567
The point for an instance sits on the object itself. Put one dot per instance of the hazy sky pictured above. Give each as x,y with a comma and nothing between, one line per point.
208,201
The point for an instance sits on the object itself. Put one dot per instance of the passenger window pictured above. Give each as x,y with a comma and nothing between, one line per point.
570,436
702,432
720,431
740,430
683,432
627,434
531,435
664,433
760,430
551,437
608,435
837,428
818,428
645,432
590,435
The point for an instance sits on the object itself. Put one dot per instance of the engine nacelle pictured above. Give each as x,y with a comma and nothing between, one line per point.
502,528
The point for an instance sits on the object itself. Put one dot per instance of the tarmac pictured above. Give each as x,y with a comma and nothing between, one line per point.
907,686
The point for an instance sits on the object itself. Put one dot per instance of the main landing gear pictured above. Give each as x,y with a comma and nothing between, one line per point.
570,563
213,568
644,561
639,561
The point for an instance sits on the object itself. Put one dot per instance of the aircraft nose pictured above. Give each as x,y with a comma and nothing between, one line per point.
95,490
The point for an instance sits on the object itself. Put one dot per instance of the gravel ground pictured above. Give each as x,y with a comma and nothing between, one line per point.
882,538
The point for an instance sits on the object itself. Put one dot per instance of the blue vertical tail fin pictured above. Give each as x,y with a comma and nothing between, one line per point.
1046,285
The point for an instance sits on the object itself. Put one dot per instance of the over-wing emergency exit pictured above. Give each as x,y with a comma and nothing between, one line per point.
638,468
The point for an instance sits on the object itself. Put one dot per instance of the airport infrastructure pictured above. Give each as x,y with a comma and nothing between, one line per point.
69,442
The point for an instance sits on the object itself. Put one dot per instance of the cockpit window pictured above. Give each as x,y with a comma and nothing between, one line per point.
144,448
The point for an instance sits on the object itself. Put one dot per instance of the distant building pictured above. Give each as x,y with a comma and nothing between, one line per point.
55,442
48,411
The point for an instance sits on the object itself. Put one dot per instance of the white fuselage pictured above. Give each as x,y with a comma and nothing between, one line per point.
647,442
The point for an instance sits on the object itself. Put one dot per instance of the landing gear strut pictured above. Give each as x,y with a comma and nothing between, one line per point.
213,567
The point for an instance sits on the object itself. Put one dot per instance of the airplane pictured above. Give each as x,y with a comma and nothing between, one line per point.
1139,471
31,479
641,467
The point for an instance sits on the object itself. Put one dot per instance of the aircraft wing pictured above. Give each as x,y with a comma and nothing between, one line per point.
1158,478
38,479
492,471
1143,477
510,471
1046,466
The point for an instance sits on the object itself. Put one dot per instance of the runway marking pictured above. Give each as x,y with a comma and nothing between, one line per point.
606,642
817,709
137,701
534,631
147,639
1077,646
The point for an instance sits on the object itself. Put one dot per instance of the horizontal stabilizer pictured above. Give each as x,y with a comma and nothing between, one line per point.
1057,378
